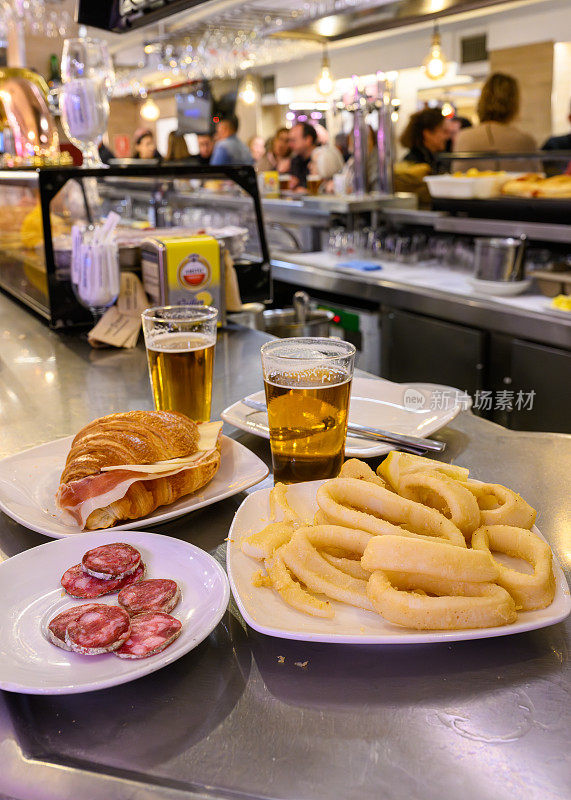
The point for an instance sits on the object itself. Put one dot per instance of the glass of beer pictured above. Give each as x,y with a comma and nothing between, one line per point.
180,343
313,184
307,383
284,181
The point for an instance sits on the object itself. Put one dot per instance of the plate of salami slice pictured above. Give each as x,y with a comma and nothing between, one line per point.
87,613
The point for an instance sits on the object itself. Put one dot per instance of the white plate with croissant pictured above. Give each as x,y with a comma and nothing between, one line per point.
363,558
125,471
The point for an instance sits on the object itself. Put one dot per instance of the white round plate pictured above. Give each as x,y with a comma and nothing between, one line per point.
265,611
29,480
32,595
414,409
500,288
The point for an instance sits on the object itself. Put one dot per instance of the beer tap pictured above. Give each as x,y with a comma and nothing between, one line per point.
359,141
385,136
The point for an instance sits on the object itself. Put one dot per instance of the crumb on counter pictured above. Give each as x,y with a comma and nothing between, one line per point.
301,664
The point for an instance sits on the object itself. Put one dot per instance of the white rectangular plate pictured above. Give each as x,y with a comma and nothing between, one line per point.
266,612
32,596
29,480
414,409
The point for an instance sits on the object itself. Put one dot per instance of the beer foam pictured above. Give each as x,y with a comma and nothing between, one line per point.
180,342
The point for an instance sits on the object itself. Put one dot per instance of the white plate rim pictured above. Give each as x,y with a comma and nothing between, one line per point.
230,416
156,517
400,637
141,667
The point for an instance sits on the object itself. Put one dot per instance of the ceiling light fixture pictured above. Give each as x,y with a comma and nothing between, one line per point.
325,82
435,63
248,93
150,110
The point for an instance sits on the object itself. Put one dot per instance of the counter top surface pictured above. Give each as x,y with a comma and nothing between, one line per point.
239,716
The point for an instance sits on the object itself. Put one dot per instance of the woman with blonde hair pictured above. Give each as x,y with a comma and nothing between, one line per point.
497,108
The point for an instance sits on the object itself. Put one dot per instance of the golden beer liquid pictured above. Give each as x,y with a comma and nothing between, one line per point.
313,184
180,367
308,424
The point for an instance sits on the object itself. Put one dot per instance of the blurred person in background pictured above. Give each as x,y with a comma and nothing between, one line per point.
303,141
425,136
257,148
278,155
455,125
326,159
497,108
342,144
177,149
558,143
228,149
205,147
144,146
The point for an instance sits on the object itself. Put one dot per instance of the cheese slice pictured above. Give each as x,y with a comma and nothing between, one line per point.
208,436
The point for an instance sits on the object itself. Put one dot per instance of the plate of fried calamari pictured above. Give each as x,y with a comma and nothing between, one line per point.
418,552
124,471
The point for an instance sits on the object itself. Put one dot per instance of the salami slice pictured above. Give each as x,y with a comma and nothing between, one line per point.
58,626
157,594
110,561
78,584
151,633
99,630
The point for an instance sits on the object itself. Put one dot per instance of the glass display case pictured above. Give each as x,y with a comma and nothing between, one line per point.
38,208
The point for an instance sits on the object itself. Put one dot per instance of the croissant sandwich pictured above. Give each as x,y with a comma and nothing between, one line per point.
123,466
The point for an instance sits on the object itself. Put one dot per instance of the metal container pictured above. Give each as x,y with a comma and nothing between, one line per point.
282,322
499,259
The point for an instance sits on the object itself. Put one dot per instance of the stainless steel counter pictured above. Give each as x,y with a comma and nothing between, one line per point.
481,720
311,271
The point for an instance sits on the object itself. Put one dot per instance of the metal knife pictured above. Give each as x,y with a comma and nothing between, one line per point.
414,443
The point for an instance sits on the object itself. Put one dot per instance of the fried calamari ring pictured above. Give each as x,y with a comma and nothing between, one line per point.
263,543
446,495
397,464
278,500
291,592
424,557
358,504
529,591
483,605
354,468
308,565
349,565
424,583
501,506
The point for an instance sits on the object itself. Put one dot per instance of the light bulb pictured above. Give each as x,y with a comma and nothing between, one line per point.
248,93
325,81
150,110
435,64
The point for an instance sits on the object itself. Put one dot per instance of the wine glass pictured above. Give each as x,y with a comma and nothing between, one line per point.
88,77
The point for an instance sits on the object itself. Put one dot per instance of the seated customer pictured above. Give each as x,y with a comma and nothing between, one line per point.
177,149
278,153
303,141
497,108
144,146
425,135
205,147
228,149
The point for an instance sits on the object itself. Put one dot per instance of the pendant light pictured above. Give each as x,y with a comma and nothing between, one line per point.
248,92
150,110
435,63
325,82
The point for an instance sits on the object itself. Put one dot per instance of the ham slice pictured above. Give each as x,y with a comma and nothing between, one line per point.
78,499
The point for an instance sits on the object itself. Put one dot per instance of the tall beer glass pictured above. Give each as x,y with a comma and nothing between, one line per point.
180,343
307,383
